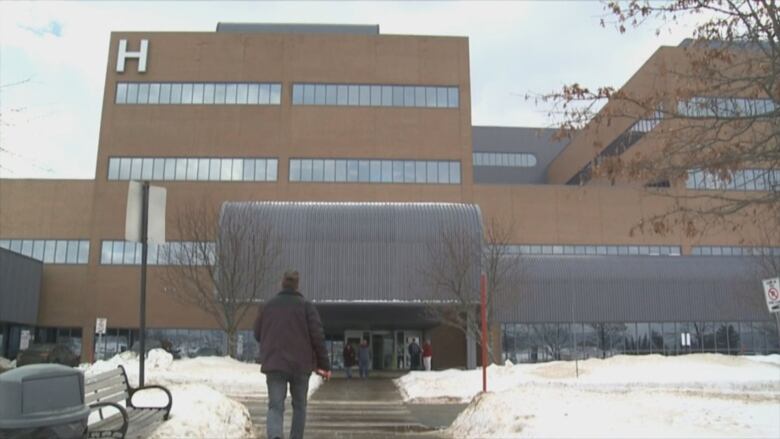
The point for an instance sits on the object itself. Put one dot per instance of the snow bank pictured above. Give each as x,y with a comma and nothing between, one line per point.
698,395
7,364
200,411
540,411
712,372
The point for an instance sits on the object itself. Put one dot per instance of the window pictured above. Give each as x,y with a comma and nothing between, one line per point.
192,169
375,95
593,250
199,93
374,171
129,253
740,180
518,160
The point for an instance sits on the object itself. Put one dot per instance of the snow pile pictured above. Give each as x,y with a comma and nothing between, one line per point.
200,411
7,364
224,374
711,372
539,411
699,395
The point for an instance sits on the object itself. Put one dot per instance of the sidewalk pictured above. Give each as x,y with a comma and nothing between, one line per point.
370,409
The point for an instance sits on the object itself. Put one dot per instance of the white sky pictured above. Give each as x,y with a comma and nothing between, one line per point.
49,124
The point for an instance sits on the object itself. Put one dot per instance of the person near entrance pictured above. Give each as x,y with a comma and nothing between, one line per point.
414,354
349,359
363,358
292,345
427,354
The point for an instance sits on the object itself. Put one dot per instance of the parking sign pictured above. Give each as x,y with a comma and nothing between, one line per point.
100,325
772,293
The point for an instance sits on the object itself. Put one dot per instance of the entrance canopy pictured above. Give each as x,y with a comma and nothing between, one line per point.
360,252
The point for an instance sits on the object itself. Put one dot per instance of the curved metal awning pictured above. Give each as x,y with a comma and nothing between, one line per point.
360,252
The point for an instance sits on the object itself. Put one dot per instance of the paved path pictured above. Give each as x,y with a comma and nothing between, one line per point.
370,409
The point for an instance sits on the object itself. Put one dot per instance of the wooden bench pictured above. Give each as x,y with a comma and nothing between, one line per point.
108,390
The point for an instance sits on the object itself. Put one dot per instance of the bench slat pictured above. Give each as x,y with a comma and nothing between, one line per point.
117,397
142,426
108,381
103,376
112,386
100,395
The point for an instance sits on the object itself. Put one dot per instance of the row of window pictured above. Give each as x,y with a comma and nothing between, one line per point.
375,171
198,93
50,251
739,180
601,250
355,95
187,343
522,343
170,253
519,160
647,124
192,169
730,250
705,106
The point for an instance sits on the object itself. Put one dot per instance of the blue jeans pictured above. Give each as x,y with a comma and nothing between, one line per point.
363,370
277,393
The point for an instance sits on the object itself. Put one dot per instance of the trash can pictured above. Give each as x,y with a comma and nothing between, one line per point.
43,401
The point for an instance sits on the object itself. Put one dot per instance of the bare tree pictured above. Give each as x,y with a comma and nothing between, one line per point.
453,271
226,265
552,337
607,334
711,115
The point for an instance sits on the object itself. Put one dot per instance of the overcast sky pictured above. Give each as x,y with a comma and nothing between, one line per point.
53,59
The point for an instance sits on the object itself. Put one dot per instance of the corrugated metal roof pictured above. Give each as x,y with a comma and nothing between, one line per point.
361,252
634,288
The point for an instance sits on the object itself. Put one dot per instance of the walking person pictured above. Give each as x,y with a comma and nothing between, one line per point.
292,345
349,359
363,358
414,354
427,354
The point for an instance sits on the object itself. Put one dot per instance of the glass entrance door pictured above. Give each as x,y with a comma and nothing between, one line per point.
382,350
403,340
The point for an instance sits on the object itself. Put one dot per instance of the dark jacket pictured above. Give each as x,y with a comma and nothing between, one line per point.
290,334
349,355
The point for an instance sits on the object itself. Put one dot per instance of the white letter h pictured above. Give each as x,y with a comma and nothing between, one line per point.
124,54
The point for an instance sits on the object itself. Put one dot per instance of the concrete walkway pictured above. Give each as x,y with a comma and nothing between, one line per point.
370,409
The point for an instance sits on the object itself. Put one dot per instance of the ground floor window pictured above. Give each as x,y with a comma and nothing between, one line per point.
181,342
536,342
15,338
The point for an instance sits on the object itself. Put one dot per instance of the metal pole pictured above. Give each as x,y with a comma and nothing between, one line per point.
574,337
777,322
144,248
483,289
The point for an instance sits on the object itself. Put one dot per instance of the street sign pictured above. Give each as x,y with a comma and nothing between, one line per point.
156,213
772,293
24,340
100,325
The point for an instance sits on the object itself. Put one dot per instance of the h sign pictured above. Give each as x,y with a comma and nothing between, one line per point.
123,54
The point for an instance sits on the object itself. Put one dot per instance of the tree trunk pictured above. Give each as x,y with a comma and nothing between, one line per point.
232,343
